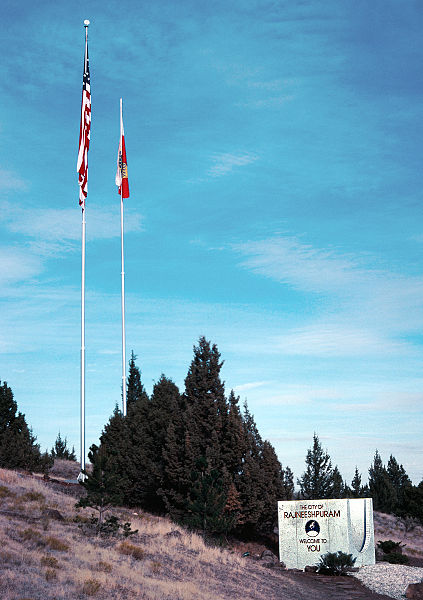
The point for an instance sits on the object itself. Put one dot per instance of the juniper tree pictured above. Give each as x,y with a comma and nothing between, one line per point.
288,484
316,481
206,411
61,450
115,444
380,486
135,392
18,448
337,485
101,484
400,482
250,481
165,408
356,489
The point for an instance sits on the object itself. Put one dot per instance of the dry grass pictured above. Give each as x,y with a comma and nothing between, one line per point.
161,562
389,527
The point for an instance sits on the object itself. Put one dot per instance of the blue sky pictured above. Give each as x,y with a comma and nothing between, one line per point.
274,158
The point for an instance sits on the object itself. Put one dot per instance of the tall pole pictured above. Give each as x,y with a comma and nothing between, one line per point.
82,168
83,344
122,274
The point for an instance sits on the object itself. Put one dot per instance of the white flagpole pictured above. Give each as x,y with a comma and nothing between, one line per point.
83,347
81,476
122,286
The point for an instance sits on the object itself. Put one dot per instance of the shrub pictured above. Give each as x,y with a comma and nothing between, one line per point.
156,567
396,559
56,544
389,546
106,528
103,566
335,563
131,550
91,587
32,535
33,497
50,561
50,574
5,492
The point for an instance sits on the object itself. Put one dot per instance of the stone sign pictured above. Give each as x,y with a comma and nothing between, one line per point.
310,528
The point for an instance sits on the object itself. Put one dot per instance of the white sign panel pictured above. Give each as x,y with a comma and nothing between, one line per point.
310,528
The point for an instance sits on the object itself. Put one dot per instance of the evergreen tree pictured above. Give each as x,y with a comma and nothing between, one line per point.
381,489
400,481
18,448
135,392
61,450
316,481
233,442
272,487
356,488
164,409
288,484
101,485
207,501
337,486
115,446
206,403
250,481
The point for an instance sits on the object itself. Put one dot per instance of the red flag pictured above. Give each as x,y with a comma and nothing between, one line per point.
122,168
84,129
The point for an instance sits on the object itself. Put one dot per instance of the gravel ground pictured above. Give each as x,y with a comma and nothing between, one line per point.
391,580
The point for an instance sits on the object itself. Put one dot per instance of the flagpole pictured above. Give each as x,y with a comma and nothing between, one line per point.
83,152
83,346
123,290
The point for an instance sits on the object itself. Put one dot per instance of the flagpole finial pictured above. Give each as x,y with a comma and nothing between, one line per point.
86,23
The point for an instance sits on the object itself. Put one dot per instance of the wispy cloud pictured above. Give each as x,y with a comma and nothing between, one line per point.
17,264
227,162
54,224
367,309
9,180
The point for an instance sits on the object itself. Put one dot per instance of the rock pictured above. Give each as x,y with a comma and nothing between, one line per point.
414,591
310,569
269,556
282,565
52,513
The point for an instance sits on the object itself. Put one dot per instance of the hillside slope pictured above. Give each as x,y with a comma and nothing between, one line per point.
46,553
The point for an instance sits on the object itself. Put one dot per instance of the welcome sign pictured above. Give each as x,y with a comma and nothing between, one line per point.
310,528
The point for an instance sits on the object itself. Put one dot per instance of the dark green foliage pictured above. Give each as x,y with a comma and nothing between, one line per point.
335,563
337,485
61,450
396,559
109,527
413,502
194,455
316,481
381,489
101,484
18,449
205,509
356,489
400,483
288,484
135,391
389,546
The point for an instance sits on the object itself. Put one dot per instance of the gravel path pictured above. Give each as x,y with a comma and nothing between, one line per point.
391,580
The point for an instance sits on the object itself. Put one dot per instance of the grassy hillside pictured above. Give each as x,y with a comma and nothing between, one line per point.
43,557
47,552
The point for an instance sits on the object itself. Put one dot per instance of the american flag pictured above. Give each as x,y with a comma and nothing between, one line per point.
122,166
84,131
